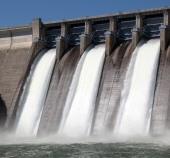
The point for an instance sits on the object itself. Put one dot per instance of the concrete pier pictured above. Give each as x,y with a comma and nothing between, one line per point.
84,38
136,32
165,31
61,43
36,29
110,37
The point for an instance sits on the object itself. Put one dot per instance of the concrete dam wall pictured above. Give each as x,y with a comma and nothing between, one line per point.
72,38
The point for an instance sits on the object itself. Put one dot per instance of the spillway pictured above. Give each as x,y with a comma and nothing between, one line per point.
34,94
137,95
80,103
58,91
108,99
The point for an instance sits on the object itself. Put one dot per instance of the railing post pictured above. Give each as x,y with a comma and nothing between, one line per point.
110,37
165,32
84,40
136,32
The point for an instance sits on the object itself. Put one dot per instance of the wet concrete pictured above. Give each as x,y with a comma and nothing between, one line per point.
57,94
111,85
160,119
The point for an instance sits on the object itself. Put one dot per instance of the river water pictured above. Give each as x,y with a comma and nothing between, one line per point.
115,147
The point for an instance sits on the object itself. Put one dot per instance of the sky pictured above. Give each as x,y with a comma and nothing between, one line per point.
21,12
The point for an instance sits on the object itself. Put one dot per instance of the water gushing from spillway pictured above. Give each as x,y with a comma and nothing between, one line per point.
34,94
80,103
137,95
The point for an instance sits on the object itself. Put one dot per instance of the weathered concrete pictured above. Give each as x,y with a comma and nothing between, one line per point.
165,31
14,58
5,39
12,70
109,95
110,39
17,73
17,52
136,33
84,38
36,29
61,43
160,119
58,91
12,39
60,47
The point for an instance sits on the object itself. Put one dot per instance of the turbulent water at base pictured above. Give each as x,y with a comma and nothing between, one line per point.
95,147
78,112
34,94
137,95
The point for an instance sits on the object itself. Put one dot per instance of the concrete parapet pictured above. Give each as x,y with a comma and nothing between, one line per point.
108,16
23,36
5,39
14,38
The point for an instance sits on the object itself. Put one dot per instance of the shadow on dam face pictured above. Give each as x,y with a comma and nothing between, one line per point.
3,113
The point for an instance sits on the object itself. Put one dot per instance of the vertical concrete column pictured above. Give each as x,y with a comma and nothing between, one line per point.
88,27
110,37
84,38
36,28
136,32
165,31
61,43
64,33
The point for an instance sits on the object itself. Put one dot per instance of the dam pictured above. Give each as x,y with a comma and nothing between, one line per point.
87,76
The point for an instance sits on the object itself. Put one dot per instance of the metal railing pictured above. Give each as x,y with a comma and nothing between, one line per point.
149,30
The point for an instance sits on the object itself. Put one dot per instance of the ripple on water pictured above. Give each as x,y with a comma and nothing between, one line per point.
115,150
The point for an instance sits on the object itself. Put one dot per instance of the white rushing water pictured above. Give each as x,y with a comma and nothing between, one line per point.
137,95
80,103
34,94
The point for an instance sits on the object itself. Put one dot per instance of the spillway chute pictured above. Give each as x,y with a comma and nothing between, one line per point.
137,95
34,94
81,101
